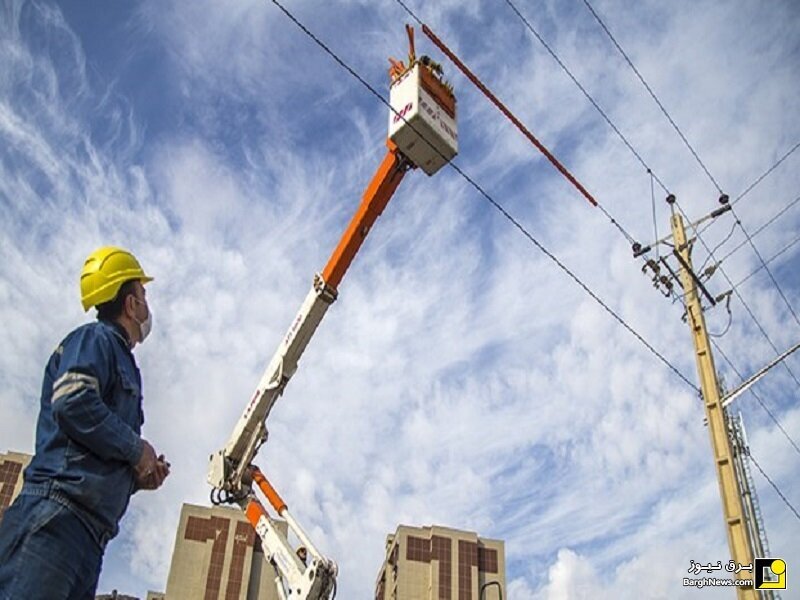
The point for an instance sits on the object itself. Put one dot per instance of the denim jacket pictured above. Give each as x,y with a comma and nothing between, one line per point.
87,435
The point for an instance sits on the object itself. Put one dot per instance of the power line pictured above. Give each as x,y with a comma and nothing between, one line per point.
491,200
686,142
697,234
769,272
472,78
770,259
714,181
585,93
764,226
775,487
411,14
655,221
651,173
735,289
519,125
718,246
730,318
563,66
652,95
653,177
767,172
647,87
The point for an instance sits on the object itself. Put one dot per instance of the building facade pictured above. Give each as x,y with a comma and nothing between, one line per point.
439,563
218,556
11,466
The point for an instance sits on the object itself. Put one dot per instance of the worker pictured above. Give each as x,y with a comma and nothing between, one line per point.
90,457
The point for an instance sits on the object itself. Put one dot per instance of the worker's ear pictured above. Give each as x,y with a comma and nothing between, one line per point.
130,307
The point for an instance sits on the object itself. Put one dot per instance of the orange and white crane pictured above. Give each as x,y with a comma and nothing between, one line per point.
422,133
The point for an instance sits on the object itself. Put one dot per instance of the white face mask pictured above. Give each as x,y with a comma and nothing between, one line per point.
144,326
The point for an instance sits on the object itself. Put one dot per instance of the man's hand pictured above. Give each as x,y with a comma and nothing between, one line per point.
150,471
156,477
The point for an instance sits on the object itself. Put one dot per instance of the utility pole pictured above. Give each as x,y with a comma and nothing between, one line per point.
730,491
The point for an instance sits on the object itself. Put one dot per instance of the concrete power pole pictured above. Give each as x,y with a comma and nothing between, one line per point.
735,524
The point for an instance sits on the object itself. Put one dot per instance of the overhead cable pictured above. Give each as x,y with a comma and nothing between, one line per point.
775,487
767,172
408,10
719,245
633,150
697,235
588,96
764,226
682,136
770,259
769,272
711,177
730,318
652,94
655,221
638,156
489,199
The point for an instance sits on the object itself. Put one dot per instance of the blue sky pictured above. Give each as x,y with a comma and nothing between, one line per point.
461,379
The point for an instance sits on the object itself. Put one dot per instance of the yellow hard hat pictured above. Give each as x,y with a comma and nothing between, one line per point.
104,272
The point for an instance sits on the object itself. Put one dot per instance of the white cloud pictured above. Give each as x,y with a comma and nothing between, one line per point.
572,576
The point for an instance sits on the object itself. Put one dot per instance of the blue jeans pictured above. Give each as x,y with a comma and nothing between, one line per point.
46,553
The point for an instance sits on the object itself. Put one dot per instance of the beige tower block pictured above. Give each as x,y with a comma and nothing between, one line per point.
12,464
217,556
430,563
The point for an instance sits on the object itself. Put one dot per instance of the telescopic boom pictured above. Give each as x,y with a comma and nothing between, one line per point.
422,133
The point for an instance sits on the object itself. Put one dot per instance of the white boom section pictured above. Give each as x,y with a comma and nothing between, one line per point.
748,384
228,465
296,580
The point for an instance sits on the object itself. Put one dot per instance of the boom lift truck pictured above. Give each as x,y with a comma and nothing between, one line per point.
422,133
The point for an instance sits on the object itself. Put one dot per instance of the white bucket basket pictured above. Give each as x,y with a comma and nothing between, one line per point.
422,123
